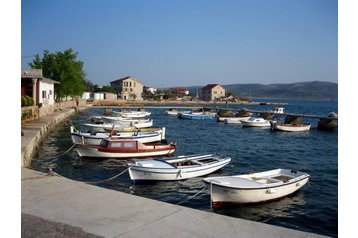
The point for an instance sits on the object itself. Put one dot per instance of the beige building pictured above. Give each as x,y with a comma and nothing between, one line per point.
128,88
212,92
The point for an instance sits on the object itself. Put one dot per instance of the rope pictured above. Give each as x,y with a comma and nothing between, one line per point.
58,156
52,173
191,196
100,181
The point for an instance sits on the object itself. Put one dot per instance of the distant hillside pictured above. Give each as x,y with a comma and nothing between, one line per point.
315,90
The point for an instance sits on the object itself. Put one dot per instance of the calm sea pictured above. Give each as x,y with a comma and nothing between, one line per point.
314,208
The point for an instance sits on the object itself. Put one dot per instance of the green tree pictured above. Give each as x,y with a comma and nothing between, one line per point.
65,68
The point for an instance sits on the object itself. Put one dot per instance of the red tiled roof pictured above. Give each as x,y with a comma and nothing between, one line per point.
180,90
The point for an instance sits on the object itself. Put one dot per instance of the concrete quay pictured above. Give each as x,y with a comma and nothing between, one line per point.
94,211
54,206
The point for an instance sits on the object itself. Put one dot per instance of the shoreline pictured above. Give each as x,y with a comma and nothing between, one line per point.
126,103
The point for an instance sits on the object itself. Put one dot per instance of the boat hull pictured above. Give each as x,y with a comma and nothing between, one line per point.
93,152
255,188
139,174
235,120
196,116
255,124
290,127
88,139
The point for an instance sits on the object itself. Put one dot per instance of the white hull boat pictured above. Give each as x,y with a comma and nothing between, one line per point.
118,125
255,122
124,149
292,127
95,138
255,187
235,120
175,112
177,168
132,114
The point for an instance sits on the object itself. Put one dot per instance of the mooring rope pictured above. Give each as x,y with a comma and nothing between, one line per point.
58,156
109,179
52,173
196,194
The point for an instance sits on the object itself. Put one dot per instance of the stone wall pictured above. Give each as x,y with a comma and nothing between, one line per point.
34,112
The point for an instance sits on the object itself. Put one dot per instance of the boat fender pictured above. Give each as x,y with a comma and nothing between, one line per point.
298,184
270,191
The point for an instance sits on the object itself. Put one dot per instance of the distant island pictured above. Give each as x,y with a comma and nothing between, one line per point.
314,90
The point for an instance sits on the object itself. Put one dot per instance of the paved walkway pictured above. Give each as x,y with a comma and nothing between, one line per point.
90,210
53,206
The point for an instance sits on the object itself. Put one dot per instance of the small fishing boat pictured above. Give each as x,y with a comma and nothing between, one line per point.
131,114
277,110
125,149
255,122
118,125
235,120
290,127
175,111
177,168
255,187
95,138
197,116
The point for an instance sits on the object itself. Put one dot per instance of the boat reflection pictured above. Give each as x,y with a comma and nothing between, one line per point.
264,212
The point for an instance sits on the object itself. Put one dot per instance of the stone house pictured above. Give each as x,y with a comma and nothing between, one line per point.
128,88
212,92
41,89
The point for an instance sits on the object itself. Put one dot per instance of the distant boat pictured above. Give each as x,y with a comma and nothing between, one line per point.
125,149
255,122
143,123
131,114
277,110
290,127
175,111
95,138
235,120
177,168
255,187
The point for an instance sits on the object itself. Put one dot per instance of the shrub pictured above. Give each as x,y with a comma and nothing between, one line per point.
30,101
23,101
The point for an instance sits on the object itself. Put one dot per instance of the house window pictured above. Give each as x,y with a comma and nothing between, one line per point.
214,92
131,89
126,89
130,84
43,94
50,93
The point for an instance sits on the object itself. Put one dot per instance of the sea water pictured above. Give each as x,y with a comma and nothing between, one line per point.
314,208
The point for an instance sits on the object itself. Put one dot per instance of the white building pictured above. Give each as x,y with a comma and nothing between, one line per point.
41,89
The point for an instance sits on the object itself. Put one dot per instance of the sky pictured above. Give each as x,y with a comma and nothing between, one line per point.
188,42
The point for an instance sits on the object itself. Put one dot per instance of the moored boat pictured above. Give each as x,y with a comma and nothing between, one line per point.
95,138
131,114
177,168
175,111
255,122
197,116
118,125
255,187
290,127
125,149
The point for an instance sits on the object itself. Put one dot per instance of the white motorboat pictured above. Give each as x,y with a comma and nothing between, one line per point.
145,123
256,122
290,127
255,187
95,138
235,120
177,168
124,149
175,111
277,110
131,114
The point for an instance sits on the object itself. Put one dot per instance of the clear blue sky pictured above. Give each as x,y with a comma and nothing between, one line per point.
166,43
